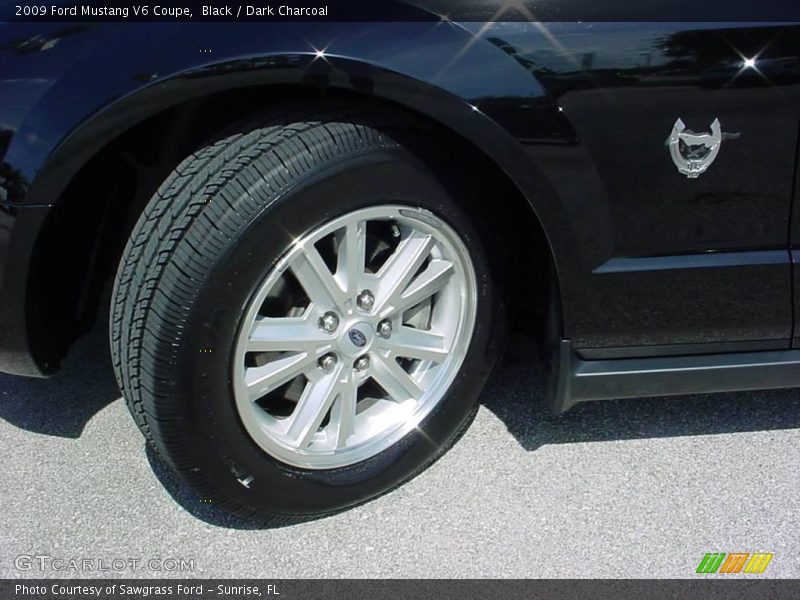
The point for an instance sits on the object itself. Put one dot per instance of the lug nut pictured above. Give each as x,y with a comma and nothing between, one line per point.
385,328
327,362
365,300
329,322
362,363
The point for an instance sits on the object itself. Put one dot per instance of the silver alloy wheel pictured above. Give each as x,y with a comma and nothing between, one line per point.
354,337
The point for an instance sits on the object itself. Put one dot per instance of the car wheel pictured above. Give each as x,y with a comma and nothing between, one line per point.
304,315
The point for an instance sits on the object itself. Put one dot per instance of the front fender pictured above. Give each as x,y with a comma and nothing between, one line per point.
437,69
128,72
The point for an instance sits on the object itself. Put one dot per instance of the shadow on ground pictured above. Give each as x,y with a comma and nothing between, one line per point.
63,405
515,398
192,503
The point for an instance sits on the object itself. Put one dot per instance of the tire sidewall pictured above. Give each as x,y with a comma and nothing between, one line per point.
224,450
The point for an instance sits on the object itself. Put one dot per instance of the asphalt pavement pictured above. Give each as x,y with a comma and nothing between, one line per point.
635,488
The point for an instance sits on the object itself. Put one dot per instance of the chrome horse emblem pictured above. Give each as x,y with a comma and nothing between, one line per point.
694,152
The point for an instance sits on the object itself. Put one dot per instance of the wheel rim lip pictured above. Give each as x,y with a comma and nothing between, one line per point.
305,458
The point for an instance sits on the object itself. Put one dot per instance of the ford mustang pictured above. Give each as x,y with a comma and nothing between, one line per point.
316,237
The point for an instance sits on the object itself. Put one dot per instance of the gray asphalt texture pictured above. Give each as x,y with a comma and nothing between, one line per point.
636,488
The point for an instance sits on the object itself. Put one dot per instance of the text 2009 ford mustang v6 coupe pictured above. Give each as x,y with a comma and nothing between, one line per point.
321,234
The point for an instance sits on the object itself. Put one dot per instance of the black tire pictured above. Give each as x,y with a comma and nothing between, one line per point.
206,240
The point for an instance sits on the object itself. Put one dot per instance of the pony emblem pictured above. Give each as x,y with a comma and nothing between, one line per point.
694,152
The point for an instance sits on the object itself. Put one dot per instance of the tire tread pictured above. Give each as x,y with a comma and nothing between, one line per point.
196,212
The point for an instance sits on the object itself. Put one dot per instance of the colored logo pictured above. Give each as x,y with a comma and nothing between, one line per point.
357,337
734,562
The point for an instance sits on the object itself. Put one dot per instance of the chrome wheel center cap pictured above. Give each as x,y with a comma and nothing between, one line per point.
356,339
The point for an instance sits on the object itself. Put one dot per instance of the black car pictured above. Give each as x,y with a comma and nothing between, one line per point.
320,235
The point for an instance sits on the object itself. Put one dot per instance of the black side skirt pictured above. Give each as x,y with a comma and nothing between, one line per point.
577,380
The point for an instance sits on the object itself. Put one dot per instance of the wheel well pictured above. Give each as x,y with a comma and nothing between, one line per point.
79,248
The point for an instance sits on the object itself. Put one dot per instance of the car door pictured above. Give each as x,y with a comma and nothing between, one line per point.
679,183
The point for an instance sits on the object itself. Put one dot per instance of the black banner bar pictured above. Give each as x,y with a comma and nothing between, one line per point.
402,10
283,589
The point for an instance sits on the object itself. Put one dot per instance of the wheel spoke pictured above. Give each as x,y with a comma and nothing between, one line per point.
343,413
287,335
426,284
266,378
352,256
407,342
300,373
392,378
311,408
317,280
400,267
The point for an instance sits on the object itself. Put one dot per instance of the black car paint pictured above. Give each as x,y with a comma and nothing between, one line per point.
698,264
648,262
